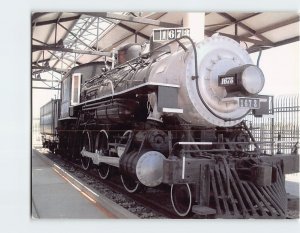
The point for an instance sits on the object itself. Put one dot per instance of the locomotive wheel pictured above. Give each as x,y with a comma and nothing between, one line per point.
71,148
181,198
65,145
125,139
101,147
131,185
86,145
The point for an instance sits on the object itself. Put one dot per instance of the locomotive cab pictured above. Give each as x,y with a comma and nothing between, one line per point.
71,85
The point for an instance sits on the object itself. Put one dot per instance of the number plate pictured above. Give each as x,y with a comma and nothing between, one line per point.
227,81
252,103
169,33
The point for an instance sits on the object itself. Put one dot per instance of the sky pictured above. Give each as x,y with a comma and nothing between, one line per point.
39,98
280,66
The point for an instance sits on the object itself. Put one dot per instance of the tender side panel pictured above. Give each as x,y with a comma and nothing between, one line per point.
49,116
47,120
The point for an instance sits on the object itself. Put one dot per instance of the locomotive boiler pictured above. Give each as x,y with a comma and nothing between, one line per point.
173,115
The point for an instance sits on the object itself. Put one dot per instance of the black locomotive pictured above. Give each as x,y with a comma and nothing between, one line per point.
173,114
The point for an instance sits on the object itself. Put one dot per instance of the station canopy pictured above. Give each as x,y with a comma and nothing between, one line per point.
61,41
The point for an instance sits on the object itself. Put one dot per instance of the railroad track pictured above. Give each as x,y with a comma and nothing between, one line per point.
150,203
147,198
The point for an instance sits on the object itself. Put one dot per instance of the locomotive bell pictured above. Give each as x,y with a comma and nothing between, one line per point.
247,80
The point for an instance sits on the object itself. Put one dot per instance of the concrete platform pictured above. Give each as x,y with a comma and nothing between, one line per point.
292,184
292,188
55,195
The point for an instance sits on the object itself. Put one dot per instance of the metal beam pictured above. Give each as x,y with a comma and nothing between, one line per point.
239,38
62,49
58,59
33,27
218,24
254,49
275,26
47,88
64,37
242,25
287,41
33,73
62,20
58,70
52,54
35,16
50,33
68,59
48,59
77,38
123,39
239,20
45,80
41,42
132,19
114,45
40,61
133,31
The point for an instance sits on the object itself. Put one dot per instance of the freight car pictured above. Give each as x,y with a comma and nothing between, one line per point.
174,115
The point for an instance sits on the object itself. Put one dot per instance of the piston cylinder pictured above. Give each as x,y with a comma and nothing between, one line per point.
146,167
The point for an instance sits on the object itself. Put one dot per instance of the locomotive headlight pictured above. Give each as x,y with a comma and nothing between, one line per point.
246,79
253,79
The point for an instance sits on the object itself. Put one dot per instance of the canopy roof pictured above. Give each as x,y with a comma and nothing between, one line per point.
63,40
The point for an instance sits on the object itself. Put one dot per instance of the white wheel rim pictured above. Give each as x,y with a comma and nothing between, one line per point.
190,202
106,174
127,189
126,132
108,169
89,160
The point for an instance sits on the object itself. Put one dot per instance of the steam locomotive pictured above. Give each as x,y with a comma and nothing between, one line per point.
173,114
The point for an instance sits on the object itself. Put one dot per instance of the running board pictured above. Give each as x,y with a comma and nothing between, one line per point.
97,158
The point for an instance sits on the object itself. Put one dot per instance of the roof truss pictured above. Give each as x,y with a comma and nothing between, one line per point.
86,29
